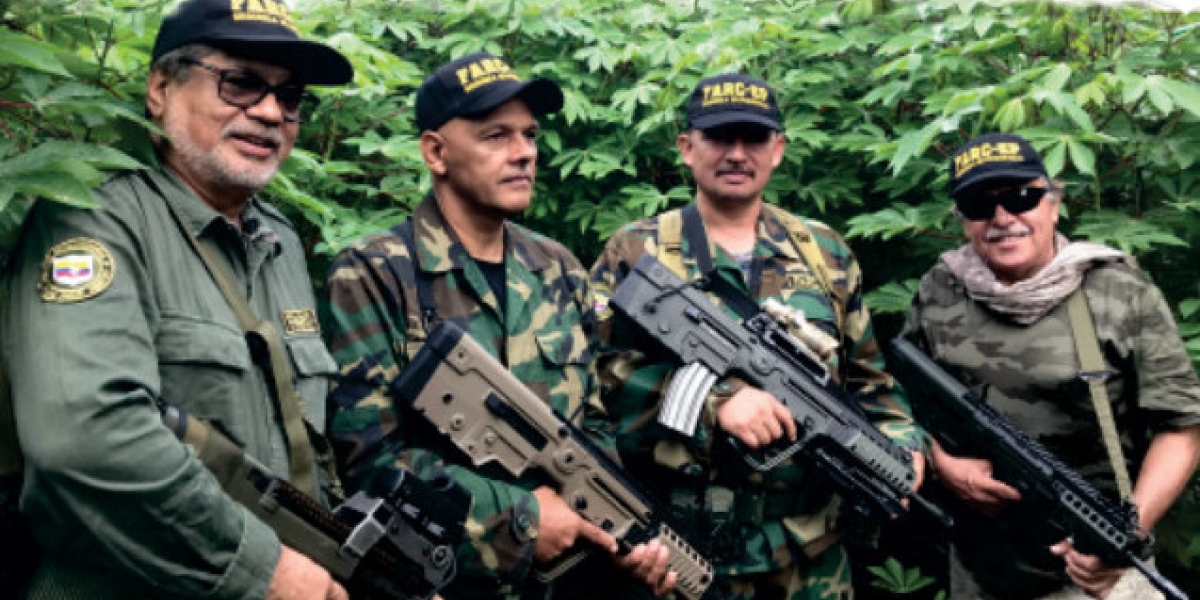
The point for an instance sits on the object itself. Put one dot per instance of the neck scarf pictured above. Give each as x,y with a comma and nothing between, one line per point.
1030,299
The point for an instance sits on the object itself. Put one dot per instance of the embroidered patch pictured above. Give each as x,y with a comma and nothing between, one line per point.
76,270
599,303
303,320
801,281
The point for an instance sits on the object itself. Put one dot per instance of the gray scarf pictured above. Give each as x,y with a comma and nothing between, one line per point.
1030,299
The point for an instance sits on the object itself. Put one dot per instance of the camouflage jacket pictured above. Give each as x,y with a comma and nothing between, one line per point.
374,324
1031,377
632,385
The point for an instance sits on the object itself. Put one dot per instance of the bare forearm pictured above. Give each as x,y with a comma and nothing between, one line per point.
1170,462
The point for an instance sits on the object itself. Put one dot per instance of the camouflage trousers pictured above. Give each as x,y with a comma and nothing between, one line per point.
825,577
1132,586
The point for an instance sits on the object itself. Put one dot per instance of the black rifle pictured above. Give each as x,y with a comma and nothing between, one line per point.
869,471
393,542
964,423
493,418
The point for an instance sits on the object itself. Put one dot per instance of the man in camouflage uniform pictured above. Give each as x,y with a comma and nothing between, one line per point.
772,535
994,312
522,296
109,310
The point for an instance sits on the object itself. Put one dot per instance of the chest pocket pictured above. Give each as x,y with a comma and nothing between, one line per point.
203,366
315,368
565,360
816,305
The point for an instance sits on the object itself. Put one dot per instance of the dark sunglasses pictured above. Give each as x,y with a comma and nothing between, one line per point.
981,207
244,89
728,134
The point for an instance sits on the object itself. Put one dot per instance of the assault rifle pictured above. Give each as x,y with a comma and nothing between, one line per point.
493,418
394,542
869,471
965,424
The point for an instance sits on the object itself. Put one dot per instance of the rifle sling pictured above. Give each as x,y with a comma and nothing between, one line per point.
278,368
1094,372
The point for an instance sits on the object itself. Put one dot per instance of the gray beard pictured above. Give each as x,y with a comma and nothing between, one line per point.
211,167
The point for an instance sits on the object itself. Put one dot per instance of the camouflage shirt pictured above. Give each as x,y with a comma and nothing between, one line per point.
541,333
799,511
1029,373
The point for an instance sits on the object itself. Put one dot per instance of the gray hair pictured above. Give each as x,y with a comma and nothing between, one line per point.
1055,190
175,65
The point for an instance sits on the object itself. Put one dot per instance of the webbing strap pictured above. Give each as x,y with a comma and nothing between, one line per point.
670,248
279,370
429,316
806,244
1094,372
693,230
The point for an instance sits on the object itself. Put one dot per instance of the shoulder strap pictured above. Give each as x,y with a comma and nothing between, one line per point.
693,230
278,368
1093,371
806,244
429,316
670,246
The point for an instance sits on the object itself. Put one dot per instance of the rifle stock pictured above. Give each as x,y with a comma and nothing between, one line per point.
395,542
867,469
965,424
493,418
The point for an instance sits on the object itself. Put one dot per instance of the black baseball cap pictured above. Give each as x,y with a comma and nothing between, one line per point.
999,159
733,98
256,29
475,84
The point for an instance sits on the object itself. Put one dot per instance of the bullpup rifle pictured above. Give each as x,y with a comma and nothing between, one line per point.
964,423
493,418
393,542
869,471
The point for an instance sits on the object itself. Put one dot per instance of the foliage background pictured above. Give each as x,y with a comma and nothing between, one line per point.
876,94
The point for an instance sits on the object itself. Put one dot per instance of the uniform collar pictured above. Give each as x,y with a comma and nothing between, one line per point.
201,220
441,249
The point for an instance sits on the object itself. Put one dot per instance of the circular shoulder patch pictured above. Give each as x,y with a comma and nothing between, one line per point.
76,270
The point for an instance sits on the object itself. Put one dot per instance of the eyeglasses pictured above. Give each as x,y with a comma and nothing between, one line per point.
244,90
981,207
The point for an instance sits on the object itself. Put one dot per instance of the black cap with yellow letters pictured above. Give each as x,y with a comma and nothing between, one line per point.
255,29
733,98
994,158
474,85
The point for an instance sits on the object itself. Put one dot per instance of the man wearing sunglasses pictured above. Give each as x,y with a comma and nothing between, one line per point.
995,312
774,535
109,310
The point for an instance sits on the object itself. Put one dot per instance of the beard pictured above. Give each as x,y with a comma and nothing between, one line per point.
213,167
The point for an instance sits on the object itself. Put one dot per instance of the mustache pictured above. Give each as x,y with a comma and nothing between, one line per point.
996,233
735,170
270,134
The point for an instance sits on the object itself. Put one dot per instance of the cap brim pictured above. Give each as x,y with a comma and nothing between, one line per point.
310,62
732,118
1002,178
543,96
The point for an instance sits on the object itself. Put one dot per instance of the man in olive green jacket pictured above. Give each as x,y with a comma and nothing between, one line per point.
109,310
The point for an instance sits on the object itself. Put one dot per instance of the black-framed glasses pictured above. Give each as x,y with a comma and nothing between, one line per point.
981,207
244,89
